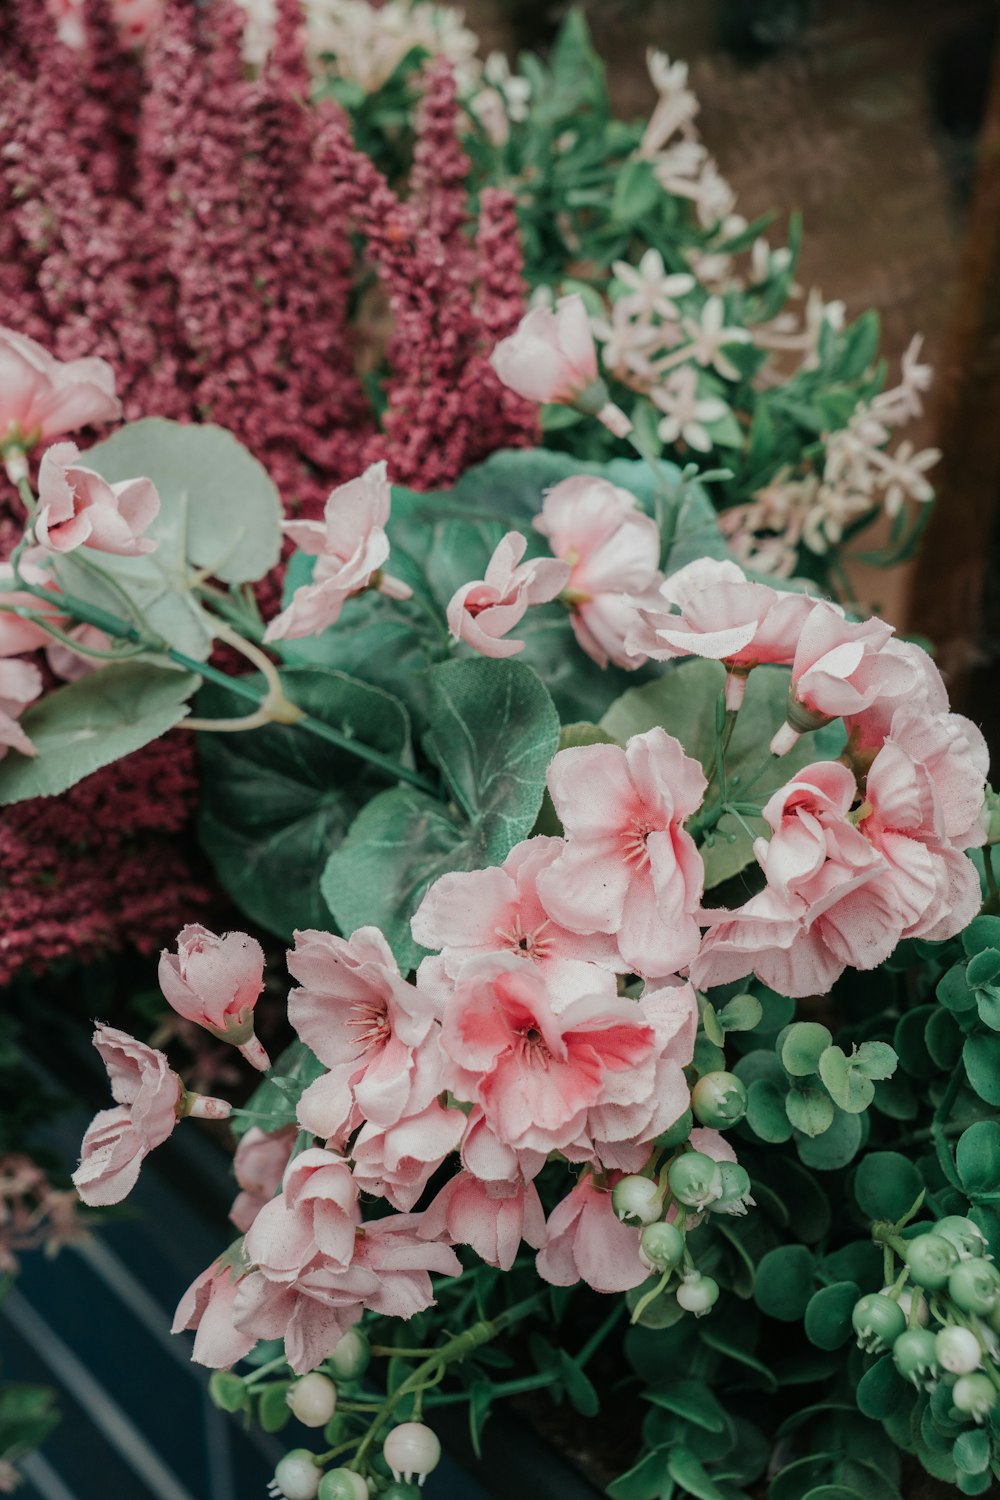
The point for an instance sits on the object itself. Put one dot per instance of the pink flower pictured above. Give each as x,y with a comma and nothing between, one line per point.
481,613
41,397
614,552
315,1214
499,910
376,1033
17,635
259,1165
396,1161
537,1072
70,665
389,1275
216,982
839,668
956,759
20,684
711,609
552,355
209,1306
628,866
491,1217
350,546
134,20
585,1241
80,508
151,1100
830,899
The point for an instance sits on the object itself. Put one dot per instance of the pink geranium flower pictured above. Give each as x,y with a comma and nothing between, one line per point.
208,1306
628,866
586,1241
614,552
711,609
552,357
316,1213
80,508
481,614
536,1071
350,547
20,684
376,1033
830,899
397,1161
491,1217
216,982
42,397
468,912
258,1166
17,635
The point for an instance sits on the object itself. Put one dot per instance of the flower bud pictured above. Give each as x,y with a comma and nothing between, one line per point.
695,1179
637,1200
411,1449
661,1247
719,1100
296,1477
958,1350
697,1294
915,1356
878,1322
967,1237
352,1356
342,1484
735,1198
931,1259
990,816
313,1399
974,1286
975,1395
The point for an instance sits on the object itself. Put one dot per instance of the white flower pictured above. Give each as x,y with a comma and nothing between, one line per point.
626,344
652,289
709,334
685,415
903,473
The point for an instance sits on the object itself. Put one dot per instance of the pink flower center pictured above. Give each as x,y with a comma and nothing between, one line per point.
633,842
530,1048
531,942
371,1024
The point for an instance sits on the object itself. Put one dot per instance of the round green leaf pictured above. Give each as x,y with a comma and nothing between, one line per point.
982,932
227,1390
849,1087
875,1060
943,1040
908,1041
89,723
971,1452
741,1013
803,1046
977,1156
881,1390
954,992
785,1282
828,1314
273,1410
766,1114
809,1110
886,1185
836,1146
981,1055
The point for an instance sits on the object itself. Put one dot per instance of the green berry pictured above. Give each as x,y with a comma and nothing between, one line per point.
661,1246
400,1490
735,1197
351,1358
698,1294
695,1179
719,1100
637,1200
966,1236
957,1350
975,1395
931,1259
313,1399
915,1356
878,1322
974,1286
342,1484
296,1476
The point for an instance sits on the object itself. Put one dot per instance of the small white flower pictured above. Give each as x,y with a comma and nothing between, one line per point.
685,415
709,335
652,289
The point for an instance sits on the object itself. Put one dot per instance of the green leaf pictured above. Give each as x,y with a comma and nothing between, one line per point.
636,191
886,1185
836,1146
876,1060
493,733
881,1390
273,1410
643,1481
982,932
683,702
742,1356
785,1279
954,992
579,1388
275,1099
809,1110
276,802
828,1314
689,1472
741,1013
977,1157
848,1087
981,1055
219,508
691,1400
803,1046
227,1390
89,723
971,1452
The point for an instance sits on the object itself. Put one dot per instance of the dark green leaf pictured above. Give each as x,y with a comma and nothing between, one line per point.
691,1400
828,1314
785,1280
881,1390
981,1055
836,1146
886,1185
688,1472
977,1157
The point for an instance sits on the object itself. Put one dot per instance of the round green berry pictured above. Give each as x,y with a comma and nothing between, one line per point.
661,1246
400,1490
957,1350
637,1200
342,1484
351,1358
719,1100
735,1196
695,1179
974,1286
878,1322
915,1355
975,1395
698,1294
931,1259
966,1236
296,1476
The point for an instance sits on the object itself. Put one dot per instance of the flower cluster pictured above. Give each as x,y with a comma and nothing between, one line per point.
33,1212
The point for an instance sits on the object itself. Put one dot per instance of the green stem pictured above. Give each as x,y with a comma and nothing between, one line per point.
458,1348
262,1370
27,495
597,1338
667,499
504,1388
938,1128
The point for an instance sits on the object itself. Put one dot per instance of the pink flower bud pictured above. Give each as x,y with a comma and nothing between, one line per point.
80,508
41,397
216,982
